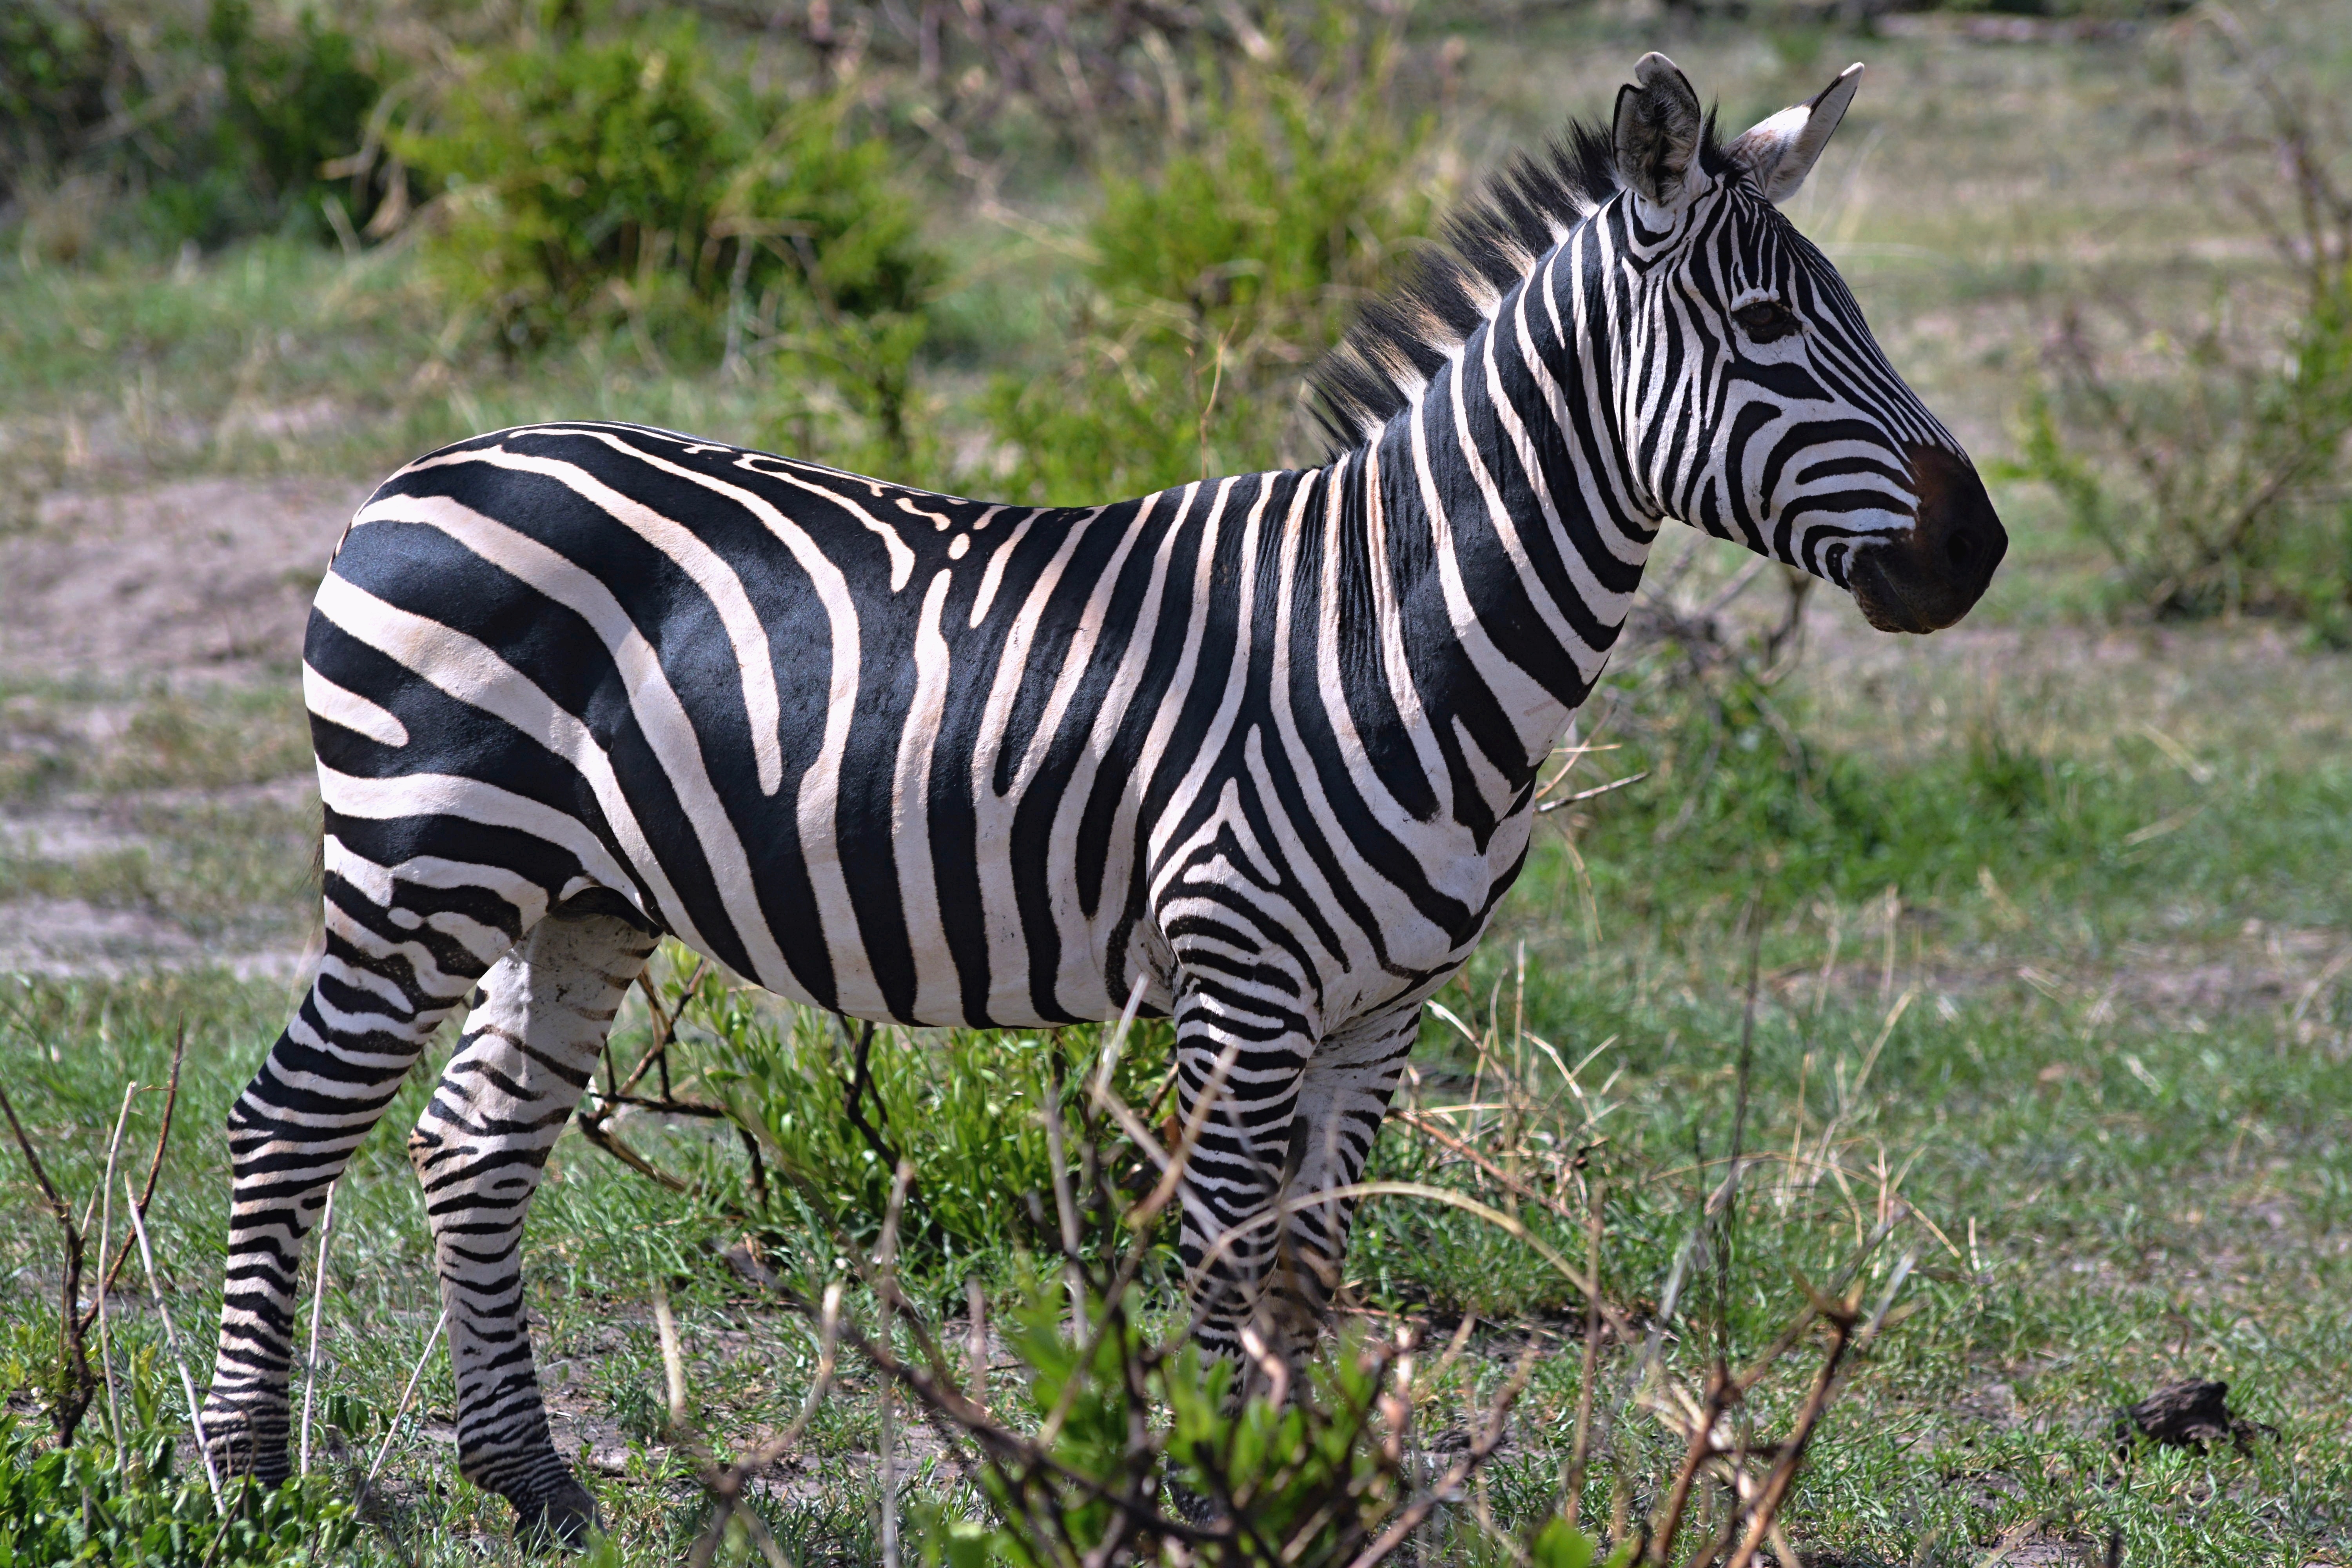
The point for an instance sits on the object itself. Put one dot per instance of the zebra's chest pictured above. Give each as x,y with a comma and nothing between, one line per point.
1315,872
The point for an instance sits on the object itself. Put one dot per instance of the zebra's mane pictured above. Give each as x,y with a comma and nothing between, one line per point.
1399,339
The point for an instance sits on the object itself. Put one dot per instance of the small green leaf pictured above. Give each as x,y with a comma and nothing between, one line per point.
1561,1545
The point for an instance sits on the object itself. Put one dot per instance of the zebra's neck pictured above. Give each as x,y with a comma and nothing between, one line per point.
1501,534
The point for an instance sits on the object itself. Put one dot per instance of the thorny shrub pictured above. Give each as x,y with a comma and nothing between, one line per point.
2204,453
1120,1444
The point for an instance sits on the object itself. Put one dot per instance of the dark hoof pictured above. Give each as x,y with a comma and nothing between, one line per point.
559,1521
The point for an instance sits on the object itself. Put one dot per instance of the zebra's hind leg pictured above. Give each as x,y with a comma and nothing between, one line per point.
398,959
1343,1097
530,1043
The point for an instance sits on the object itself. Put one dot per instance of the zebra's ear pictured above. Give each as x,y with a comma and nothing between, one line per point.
1658,131
1779,152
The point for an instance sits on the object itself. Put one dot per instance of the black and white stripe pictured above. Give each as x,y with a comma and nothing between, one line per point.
1263,746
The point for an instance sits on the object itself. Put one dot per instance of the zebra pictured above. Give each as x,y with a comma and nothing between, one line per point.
1257,753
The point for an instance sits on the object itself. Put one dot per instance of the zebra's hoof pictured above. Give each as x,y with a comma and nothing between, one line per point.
559,1521
241,1446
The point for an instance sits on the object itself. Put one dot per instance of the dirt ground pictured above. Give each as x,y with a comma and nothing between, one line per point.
150,656
204,580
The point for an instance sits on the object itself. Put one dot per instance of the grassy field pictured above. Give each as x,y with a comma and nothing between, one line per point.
2049,921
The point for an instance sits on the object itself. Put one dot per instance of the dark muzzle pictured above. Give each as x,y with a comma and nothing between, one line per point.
1933,575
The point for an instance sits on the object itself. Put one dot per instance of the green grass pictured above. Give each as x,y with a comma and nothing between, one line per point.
2139,1180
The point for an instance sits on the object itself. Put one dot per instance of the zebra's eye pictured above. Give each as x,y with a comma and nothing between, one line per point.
1766,321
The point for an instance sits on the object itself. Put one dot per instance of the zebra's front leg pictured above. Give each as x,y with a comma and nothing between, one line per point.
529,1046
1246,1062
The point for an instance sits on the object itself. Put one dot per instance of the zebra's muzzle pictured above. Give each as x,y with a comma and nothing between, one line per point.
1931,576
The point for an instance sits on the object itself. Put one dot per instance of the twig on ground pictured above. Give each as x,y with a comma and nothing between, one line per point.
171,1342
392,1428
317,1302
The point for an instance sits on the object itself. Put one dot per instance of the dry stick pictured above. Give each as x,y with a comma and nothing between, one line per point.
1419,1124
1792,1452
1065,1208
172,1340
1722,1392
318,1304
886,1264
672,1359
105,1232
1410,1518
727,1485
154,1161
415,1377
1595,791
976,1339
73,1353
1583,1449
596,1133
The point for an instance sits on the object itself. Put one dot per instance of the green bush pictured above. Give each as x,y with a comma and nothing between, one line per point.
589,181
1218,276
212,124
57,62
294,100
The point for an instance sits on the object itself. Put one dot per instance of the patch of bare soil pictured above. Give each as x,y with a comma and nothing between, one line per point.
106,597
210,578
66,937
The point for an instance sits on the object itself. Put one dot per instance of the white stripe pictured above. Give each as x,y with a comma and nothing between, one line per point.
340,705
939,996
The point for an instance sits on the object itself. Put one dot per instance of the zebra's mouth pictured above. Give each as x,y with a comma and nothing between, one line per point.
1935,574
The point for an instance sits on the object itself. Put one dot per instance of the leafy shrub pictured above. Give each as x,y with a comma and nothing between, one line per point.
213,123
1219,275
976,1096
590,180
58,61
294,100
78,1505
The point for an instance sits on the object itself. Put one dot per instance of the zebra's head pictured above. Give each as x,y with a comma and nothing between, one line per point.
1754,402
